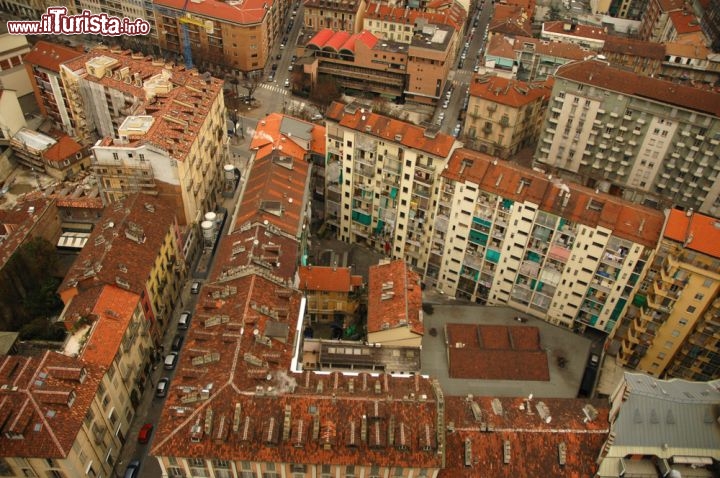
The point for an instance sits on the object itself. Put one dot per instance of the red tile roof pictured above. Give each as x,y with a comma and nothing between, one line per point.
627,220
330,279
441,12
247,12
112,254
496,352
634,47
601,75
408,134
505,91
534,444
696,231
561,27
321,38
269,136
336,41
81,202
34,401
50,55
670,5
510,20
685,22
113,312
394,298
65,148
569,51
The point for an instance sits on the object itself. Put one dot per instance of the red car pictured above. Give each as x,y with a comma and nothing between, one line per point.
145,432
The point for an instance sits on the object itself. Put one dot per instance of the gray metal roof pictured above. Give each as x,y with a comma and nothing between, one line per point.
291,127
669,417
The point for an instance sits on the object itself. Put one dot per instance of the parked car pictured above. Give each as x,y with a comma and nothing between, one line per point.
177,343
162,387
290,67
184,320
145,433
195,287
270,79
456,131
132,469
171,360
274,66
287,83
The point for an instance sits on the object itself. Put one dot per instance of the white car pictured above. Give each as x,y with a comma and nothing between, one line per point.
287,83
445,104
456,131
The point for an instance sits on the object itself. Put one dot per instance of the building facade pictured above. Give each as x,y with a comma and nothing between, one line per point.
672,328
641,138
12,69
504,116
510,235
331,292
381,175
656,17
339,15
161,129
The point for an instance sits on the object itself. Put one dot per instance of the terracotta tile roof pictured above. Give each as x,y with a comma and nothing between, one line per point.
81,202
178,114
599,74
247,12
34,400
496,352
509,92
560,27
17,224
113,313
670,5
502,46
687,50
330,279
112,254
65,148
276,192
334,5
394,298
510,20
269,135
634,47
391,129
685,22
696,231
627,220
534,444
50,55
307,418
446,13
256,249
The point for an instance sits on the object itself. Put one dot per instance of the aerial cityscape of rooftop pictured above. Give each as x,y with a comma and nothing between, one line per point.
360,238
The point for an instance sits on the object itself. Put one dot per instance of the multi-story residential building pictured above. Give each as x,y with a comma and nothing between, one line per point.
688,62
529,59
68,414
162,129
586,36
400,24
710,22
656,16
12,70
661,428
132,9
25,9
504,116
65,159
639,56
12,118
683,27
394,313
505,234
630,9
29,147
381,178
417,72
672,328
645,139
334,15
331,292
135,246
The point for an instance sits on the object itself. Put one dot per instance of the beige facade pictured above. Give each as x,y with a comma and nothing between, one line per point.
429,64
504,115
334,14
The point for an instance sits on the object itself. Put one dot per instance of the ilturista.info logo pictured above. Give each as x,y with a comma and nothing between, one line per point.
57,22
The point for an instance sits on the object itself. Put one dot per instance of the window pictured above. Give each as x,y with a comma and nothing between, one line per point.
707,282
691,309
682,322
5,469
699,296
669,344
661,355
675,333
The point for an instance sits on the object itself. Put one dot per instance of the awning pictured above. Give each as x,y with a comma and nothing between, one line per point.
73,240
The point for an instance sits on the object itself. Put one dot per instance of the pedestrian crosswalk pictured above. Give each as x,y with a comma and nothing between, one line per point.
275,88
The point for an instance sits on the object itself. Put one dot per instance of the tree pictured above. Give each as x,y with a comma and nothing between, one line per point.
325,91
251,83
553,13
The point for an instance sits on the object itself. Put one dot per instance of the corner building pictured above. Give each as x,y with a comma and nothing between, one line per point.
509,235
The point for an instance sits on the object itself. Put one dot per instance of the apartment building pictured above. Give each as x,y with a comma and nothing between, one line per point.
586,36
26,9
505,234
639,56
342,15
690,62
645,139
43,67
132,9
136,247
389,22
630,9
68,414
29,146
366,150
710,22
12,118
161,128
361,62
504,116
331,292
668,427
672,328
65,159
394,314
656,17
12,70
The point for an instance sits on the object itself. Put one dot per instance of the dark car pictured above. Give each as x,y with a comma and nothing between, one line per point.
294,58
145,433
278,56
177,342
132,469
274,66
